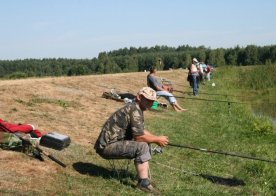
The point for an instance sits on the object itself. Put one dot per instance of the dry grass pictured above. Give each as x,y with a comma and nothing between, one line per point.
68,105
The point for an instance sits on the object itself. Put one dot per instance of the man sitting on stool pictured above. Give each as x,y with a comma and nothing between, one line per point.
123,136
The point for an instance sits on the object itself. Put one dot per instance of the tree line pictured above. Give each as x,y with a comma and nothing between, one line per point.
138,59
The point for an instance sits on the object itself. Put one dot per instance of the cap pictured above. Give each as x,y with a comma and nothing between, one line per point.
195,60
148,93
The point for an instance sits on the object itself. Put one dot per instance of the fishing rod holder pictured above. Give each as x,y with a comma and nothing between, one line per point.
157,150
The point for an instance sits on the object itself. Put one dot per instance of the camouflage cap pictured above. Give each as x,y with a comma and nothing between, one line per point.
148,93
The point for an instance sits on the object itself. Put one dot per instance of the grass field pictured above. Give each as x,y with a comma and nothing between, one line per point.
73,106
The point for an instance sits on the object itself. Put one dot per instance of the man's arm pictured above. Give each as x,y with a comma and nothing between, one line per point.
150,138
153,83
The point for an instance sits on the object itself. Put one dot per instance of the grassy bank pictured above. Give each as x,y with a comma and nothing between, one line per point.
176,171
218,126
212,125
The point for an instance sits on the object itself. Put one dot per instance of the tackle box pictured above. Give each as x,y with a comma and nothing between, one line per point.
55,140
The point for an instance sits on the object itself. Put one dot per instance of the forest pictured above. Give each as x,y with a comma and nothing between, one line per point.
138,59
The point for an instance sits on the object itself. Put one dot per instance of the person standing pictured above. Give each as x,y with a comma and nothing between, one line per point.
208,72
123,136
194,76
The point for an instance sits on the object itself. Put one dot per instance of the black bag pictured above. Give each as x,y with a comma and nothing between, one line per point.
55,140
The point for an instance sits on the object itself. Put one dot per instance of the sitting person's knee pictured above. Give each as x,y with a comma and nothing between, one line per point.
143,153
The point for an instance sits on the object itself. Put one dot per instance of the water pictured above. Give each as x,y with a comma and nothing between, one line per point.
265,109
263,102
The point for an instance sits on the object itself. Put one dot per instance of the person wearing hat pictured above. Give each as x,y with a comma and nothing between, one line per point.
161,91
123,136
193,71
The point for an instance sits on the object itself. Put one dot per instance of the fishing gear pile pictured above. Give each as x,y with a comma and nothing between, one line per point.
25,138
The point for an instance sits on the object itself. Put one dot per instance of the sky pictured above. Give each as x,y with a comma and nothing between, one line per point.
81,29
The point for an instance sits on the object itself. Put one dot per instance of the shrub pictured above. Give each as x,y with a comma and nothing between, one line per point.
258,77
17,75
262,125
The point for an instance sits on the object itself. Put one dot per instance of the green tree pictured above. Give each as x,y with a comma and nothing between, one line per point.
231,57
216,57
202,56
251,55
188,59
131,64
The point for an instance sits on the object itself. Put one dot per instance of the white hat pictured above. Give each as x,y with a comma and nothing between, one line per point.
195,60
148,93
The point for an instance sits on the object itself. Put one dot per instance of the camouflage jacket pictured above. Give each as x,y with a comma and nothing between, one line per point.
122,125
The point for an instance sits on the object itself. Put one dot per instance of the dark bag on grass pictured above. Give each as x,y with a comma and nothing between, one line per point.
55,140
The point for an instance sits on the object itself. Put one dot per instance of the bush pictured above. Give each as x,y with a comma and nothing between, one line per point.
262,125
258,77
17,75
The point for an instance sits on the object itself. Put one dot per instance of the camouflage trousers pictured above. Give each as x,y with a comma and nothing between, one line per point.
9,141
139,151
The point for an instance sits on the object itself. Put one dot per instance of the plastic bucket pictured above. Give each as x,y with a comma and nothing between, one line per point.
154,105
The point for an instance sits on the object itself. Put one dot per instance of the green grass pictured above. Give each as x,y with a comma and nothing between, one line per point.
40,100
178,171
258,77
217,126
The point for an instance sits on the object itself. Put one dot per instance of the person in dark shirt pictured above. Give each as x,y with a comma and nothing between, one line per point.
161,90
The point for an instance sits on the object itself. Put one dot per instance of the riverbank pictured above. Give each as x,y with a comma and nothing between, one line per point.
74,106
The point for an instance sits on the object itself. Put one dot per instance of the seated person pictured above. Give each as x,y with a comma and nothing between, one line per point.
161,90
123,136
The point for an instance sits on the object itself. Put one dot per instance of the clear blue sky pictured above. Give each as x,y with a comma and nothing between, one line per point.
83,28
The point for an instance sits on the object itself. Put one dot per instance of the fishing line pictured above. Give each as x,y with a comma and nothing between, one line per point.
176,169
221,152
212,178
201,99
204,93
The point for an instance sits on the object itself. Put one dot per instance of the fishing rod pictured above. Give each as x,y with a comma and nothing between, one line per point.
227,95
168,82
221,152
201,99
215,100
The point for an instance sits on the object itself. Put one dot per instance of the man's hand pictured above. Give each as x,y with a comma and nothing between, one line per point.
162,141
150,138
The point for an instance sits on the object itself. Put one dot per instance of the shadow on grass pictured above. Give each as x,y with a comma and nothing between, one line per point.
211,178
95,170
223,181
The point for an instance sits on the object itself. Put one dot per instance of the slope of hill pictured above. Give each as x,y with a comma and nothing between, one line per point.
68,105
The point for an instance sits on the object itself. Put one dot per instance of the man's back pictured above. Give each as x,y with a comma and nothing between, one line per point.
152,82
122,125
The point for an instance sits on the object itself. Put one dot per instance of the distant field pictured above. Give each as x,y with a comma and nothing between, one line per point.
74,106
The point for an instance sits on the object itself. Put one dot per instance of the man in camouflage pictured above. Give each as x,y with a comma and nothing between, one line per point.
123,136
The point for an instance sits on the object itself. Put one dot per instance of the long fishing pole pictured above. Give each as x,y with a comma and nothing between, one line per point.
226,95
221,152
201,99
184,92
